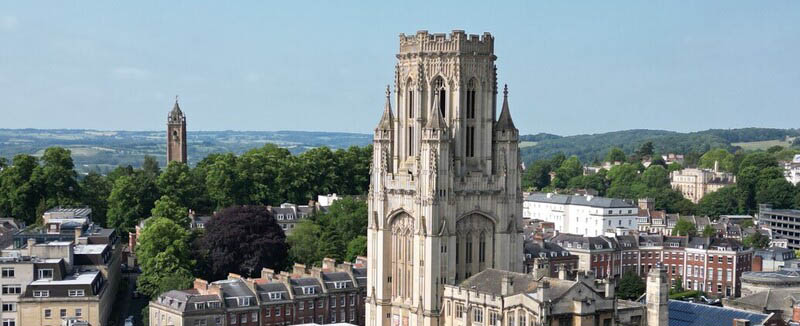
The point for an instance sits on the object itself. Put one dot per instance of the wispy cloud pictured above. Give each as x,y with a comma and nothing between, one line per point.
130,73
8,23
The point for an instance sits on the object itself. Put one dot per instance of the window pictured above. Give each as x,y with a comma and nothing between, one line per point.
438,86
48,313
62,313
493,318
341,300
254,316
12,289
267,312
274,295
234,320
9,307
80,293
352,314
9,322
468,253
459,310
278,311
333,302
8,272
477,315
41,294
410,141
470,141
410,101
352,300
482,249
309,290
728,273
243,318
471,99
45,273
218,320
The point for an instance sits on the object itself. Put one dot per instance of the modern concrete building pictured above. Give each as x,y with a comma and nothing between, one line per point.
587,215
445,201
696,183
782,223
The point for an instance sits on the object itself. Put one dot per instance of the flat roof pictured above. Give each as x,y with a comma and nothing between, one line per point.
83,278
90,249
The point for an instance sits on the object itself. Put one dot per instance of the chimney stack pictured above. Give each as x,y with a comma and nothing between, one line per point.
562,273
267,274
609,288
507,286
328,264
298,270
741,322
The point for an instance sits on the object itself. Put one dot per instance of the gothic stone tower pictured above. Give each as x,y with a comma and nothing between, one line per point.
176,135
444,198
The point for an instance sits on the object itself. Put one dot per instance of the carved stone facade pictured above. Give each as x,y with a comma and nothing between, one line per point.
176,135
445,200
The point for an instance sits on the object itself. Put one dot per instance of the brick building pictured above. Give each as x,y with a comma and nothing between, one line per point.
713,265
331,294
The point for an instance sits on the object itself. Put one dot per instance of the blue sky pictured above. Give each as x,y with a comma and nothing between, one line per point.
572,67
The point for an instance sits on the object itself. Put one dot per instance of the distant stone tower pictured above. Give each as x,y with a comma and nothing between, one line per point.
176,134
444,201
657,297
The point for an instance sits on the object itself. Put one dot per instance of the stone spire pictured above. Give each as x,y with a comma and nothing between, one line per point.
176,114
435,120
504,122
387,118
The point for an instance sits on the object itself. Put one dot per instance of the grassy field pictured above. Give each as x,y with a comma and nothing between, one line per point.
524,144
756,145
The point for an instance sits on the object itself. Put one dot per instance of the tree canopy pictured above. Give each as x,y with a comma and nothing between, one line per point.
242,240
164,255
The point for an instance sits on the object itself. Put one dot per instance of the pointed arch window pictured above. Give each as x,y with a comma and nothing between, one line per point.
482,248
468,254
471,99
410,99
470,141
438,86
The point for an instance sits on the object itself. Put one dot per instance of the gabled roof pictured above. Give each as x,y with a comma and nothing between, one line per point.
185,300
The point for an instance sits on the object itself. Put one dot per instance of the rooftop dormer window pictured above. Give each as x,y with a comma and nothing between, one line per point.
243,301
275,295
199,305
309,290
340,284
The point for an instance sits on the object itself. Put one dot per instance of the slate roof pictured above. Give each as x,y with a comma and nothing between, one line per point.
265,289
591,201
534,249
298,284
504,122
330,277
627,242
693,314
769,300
233,289
778,254
361,276
570,241
184,300
490,281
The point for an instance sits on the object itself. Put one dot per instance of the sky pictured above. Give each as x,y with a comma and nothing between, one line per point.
572,67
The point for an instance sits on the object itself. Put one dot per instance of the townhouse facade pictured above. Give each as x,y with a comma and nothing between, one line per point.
588,215
696,183
713,265
65,271
330,294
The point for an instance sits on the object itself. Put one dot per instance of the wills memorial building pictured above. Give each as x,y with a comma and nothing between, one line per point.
445,201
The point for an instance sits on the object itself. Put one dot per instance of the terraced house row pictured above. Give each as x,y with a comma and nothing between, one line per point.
710,264
330,294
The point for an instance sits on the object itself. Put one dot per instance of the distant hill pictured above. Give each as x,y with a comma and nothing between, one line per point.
595,146
104,150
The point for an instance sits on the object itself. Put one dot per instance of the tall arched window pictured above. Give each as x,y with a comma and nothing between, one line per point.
438,86
402,253
471,99
410,98
482,248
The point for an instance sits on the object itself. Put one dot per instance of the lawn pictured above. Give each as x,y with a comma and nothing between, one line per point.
764,144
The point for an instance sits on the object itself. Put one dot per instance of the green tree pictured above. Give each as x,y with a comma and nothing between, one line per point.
305,245
569,169
759,160
356,247
132,199
224,184
168,208
684,227
708,231
631,286
185,187
150,167
776,191
721,202
646,150
674,166
18,196
537,175
756,240
720,156
747,224
774,149
615,155
56,179
95,190
164,255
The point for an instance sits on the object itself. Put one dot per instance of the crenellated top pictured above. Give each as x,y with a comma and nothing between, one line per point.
176,115
455,42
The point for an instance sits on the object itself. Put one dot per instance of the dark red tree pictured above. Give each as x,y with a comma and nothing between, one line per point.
242,240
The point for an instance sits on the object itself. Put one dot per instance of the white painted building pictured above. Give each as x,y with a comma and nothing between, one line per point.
587,215
792,170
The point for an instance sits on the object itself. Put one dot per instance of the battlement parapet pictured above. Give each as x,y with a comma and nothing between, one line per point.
455,42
